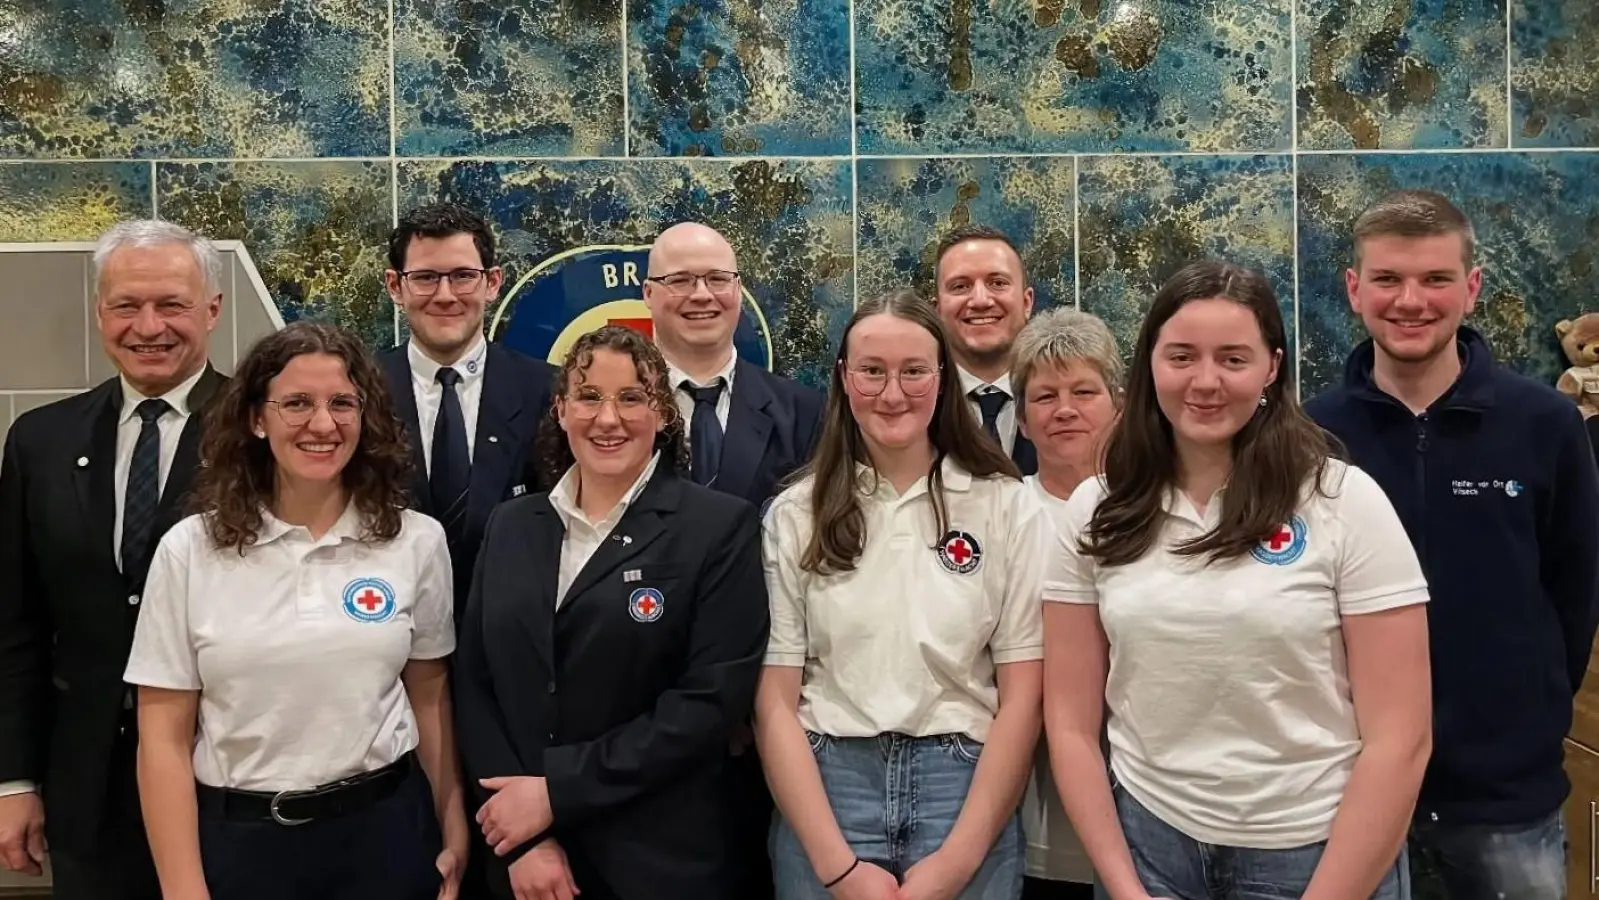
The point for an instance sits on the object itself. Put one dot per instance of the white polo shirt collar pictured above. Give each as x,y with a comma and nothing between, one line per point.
347,527
875,487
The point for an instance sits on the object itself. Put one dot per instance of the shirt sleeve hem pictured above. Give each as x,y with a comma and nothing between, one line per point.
1054,594
159,680
1382,601
1026,653
796,660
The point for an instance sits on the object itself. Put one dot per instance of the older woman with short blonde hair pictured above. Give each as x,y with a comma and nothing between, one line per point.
1067,375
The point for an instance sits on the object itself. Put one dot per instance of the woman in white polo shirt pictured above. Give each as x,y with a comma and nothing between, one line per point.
1067,374
1251,613
295,731
898,709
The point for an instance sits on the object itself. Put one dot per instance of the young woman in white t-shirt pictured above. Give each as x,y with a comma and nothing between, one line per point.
898,707
1250,611
295,734
1067,374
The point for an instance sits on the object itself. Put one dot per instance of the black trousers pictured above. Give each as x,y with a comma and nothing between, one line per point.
118,865
387,851
1040,889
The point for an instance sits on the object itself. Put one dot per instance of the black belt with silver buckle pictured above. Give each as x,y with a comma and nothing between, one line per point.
328,801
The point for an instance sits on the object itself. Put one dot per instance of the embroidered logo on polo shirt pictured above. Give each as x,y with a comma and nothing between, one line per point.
960,553
646,605
1285,545
369,600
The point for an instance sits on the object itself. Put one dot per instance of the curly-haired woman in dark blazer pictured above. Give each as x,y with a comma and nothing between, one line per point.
610,646
295,731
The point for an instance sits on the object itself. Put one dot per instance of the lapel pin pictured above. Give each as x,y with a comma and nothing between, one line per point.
493,439
83,461
633,575
623,538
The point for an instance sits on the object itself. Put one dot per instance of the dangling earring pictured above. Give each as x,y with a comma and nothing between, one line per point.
1262,399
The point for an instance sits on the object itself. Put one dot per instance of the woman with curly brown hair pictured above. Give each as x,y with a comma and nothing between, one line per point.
609,649
295,733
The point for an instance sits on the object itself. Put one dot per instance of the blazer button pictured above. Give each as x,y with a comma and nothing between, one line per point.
552,687
133,599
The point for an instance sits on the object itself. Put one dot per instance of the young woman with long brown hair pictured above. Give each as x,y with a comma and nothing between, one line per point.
1250,612
899,704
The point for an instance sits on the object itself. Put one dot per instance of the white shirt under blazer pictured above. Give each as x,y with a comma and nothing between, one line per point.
296,646
1231,717
908,642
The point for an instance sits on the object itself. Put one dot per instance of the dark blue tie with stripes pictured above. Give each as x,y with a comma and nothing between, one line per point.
144,484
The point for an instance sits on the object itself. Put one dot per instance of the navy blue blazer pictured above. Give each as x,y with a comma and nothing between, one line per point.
623,696
516,396
772,426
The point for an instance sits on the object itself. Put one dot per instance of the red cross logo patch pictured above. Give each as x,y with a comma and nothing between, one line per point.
369,600
1284,545
646,605
960,553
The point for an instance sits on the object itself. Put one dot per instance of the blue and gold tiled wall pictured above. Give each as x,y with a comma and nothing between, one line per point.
832,140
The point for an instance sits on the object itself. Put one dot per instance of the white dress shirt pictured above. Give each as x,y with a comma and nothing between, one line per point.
584,537
685,400
128,427
1006,423
429,393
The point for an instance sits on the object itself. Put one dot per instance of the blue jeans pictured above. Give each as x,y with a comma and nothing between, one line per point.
896,799
1172,864
1486,862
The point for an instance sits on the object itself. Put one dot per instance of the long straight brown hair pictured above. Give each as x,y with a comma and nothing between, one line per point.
838,526
1275,454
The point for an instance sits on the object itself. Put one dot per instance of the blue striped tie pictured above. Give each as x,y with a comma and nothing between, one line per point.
144,484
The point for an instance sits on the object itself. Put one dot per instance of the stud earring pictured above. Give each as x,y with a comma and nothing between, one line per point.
261,434
1262,399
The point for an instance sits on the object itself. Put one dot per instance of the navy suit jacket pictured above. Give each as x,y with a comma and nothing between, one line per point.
772,427
516,396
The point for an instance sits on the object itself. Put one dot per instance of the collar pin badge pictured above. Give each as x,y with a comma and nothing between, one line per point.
471,367
83,462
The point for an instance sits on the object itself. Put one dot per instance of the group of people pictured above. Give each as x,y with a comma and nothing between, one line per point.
1004,613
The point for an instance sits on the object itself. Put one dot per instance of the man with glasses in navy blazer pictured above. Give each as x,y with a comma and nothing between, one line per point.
748,429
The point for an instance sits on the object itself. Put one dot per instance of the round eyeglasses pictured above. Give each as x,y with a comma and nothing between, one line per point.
296,410
869,380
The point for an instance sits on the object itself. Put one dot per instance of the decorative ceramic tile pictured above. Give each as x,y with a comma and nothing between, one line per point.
316,231
789,223
531,77
70,201
1535,215
1555,78
729,77
1143,218
91,78
906,206
1091,76
1401,74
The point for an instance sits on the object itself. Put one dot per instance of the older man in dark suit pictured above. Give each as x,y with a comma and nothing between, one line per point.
88,486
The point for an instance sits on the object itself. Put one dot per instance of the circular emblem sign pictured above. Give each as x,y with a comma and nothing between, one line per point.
579,290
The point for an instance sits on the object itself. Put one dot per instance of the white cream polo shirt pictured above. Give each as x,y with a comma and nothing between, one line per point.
1230,713
908,641
296,647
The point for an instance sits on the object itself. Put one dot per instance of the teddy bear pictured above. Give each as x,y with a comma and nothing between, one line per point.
1579,337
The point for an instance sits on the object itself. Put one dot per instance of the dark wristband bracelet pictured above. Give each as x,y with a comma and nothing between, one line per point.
829,886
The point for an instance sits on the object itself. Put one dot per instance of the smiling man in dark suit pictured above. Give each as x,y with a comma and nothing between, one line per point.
471,408
88,486
748,429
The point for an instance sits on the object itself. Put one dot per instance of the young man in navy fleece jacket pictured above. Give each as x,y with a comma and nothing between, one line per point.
1495,480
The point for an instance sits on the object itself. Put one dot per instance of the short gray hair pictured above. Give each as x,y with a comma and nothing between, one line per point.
1059,336
153,233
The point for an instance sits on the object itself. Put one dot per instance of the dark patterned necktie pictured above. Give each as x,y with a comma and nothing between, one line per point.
452,468
144,484
991,402
705,432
